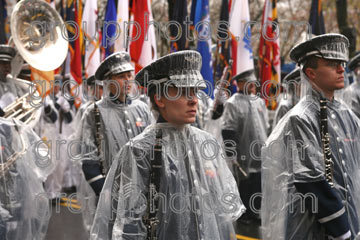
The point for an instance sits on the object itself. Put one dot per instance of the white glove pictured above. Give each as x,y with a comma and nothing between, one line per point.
64,104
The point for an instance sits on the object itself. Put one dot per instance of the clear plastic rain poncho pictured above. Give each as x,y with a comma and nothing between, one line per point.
288,100
353,91
283,107
122,122
10,86
24,206
247,116
49,132
212,125
199,195
205,102
293,155
10,91
291,95
85,194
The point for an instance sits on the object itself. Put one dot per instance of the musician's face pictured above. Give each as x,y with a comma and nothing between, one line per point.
124,85
5,69
181,109
329,74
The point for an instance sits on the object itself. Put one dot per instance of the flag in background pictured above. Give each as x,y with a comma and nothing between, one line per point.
143,50
3,16
122,16
52,3
201,13
72,14
45,80
222,54
241,50
92,51
269,54
178,14
110,29
316,18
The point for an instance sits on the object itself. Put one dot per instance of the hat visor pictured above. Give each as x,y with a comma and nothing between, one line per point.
99,83
5,59
123,68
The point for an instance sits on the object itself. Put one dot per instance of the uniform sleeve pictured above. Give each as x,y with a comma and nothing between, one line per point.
230,139
231,117
331,212
229,193
132,196
218,111
90,158
308,167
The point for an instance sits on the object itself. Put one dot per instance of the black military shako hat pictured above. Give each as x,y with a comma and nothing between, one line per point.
116,63
330,46
246,76
354,62
182,68
91,80
293,75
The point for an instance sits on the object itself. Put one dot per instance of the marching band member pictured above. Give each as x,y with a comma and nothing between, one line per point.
171,181
310,164
112,121
24,206
244,126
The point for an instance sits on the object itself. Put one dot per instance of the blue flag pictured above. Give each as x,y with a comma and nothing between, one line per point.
3,15
200,14
316,18
109,29
177,14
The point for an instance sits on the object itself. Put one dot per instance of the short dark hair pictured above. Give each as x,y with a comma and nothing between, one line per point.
310,62
151,93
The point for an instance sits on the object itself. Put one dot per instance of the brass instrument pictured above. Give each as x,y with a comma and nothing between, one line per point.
23,108
38,48
325,140
44,49
36,34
